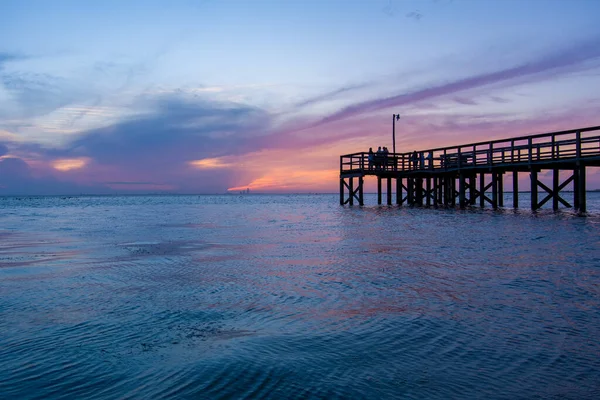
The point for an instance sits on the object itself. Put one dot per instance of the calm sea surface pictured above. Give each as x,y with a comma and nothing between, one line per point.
256,296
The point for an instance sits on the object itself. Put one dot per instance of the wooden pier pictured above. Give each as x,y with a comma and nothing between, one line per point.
472,174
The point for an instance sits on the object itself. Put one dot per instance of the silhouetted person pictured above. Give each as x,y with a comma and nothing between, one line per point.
414,159
371,158
430,159
385,153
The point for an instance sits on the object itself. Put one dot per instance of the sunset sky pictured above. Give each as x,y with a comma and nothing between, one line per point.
205,96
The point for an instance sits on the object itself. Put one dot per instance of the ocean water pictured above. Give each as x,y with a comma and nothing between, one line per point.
294,296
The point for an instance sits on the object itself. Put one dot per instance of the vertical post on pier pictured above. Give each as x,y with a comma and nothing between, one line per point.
389,191
472,190
461,190
495,189
428,189
435,191
361,181
580,173
399,191
379,190
351,188
534,189
576,188
341,191
515,189
500,189
481,189
555,183
442,190
582,200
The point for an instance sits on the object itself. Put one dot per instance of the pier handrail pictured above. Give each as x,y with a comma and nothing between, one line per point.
528,149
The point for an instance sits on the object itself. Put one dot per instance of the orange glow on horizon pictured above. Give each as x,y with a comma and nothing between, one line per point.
209,163
291,180
68,164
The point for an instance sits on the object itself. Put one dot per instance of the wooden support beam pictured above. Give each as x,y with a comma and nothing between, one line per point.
455,191
481,189
494,189
472,190
576,188
420,190
582,199
544,200
361,182
515,189
435,191
389,191
378,190
534,189
351,189
428,190
500,189
399,191
462,191
341,191
555,183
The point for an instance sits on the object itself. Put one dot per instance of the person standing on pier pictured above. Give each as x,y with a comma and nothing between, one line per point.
414,159
385,157
371,158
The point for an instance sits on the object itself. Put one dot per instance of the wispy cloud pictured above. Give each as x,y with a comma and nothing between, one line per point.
332,94
10,57
563,61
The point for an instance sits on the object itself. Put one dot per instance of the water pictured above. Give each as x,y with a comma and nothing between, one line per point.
295,297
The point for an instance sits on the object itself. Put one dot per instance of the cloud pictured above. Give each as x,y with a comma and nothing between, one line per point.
209,163
416,15
465,101
177,131
3,149
69,164
498,99
16,177
562,61
40,93
13,168
332,94
10,57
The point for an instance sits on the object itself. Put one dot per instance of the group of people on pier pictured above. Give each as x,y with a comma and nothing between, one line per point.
380,159
417,160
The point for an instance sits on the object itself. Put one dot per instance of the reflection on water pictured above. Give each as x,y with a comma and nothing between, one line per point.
295,296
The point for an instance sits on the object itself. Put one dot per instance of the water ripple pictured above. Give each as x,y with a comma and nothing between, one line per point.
294,297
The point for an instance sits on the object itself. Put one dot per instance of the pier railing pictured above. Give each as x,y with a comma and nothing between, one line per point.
554,147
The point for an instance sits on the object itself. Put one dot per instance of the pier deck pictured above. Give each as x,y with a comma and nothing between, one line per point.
466,174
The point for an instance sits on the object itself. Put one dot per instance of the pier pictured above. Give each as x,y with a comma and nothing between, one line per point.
473,174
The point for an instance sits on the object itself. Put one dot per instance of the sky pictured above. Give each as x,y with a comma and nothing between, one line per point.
211,96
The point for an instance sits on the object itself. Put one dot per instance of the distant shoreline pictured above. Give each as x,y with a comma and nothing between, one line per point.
216,194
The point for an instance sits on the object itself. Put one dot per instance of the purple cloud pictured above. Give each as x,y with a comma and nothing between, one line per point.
333,94
565,60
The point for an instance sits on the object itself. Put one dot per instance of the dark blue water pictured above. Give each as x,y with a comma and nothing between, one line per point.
295,297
